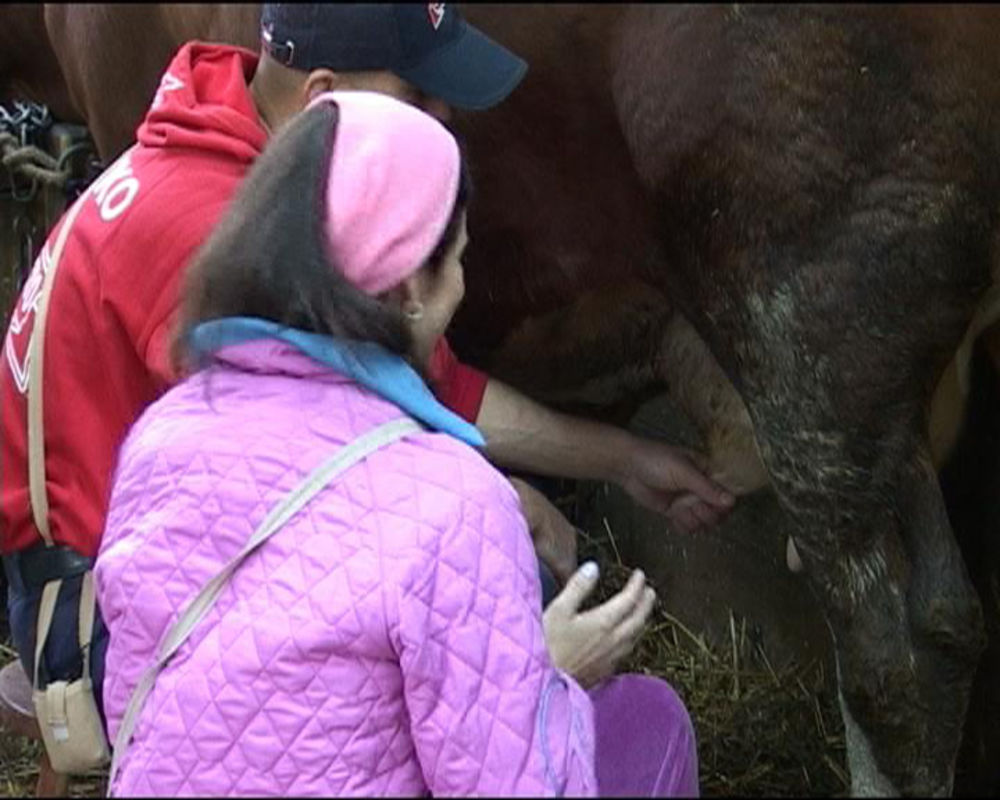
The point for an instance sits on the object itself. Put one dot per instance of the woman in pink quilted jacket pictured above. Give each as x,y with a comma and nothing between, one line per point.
389,638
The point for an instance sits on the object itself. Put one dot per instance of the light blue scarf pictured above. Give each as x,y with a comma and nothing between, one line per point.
371,365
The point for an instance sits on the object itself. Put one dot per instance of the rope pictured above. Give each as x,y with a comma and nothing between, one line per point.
32,162
23,128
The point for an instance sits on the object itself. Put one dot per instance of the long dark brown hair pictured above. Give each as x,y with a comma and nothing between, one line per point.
268,257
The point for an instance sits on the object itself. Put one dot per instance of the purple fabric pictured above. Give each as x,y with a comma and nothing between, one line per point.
644,740
387,641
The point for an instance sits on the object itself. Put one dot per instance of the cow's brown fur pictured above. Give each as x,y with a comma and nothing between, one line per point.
28,66
827,196
814,190
112,85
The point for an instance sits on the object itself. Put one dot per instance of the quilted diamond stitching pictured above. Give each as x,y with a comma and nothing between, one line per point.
401,517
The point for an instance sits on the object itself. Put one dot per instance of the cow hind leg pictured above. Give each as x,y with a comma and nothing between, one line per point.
836,370
843,437
905,620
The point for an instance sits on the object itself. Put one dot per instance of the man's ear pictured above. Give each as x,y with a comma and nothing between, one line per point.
319,81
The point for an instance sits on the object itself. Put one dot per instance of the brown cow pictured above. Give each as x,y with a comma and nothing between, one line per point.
824,198
798,202
28,66
113,55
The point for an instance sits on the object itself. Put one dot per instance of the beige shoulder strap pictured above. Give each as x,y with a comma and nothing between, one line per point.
36,455
178,633
36,359
46,610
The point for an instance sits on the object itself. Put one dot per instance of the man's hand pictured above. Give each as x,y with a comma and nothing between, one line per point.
588,646
525,436
553,535
671,480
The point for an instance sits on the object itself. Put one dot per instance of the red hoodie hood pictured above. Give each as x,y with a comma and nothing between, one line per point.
203,102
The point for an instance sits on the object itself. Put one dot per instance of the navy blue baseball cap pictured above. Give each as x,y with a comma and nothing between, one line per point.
426,44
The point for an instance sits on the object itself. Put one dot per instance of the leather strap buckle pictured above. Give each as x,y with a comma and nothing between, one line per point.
40,565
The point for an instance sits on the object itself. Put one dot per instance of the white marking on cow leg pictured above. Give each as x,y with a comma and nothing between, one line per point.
863,573
867,779
854,577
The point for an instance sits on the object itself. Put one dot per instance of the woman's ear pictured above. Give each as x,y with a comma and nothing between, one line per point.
408,296
412,296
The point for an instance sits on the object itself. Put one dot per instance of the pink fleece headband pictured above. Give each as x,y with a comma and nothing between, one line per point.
391,188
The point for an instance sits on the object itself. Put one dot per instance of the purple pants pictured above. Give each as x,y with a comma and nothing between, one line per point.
645,743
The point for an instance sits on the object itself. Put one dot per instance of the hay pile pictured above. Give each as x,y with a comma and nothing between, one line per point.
761,732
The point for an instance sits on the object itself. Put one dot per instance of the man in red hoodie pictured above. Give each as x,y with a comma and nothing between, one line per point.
113,305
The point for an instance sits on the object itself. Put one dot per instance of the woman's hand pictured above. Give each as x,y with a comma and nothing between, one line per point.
552,534
672,481
588,646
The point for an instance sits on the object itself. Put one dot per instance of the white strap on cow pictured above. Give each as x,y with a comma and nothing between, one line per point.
178,633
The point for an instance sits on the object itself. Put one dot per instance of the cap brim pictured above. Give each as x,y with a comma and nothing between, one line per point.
473,72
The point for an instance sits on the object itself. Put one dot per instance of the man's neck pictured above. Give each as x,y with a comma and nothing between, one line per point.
277,93
265,110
